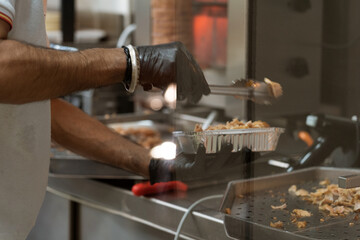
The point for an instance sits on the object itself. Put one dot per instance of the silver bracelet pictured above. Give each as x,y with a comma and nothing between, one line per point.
135,62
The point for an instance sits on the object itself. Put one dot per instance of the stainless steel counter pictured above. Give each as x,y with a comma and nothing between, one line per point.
162,212
89,203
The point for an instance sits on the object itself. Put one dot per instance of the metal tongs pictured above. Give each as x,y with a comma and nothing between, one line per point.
248,89
349,181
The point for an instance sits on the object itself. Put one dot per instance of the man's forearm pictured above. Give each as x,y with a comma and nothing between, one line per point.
78,132
29,73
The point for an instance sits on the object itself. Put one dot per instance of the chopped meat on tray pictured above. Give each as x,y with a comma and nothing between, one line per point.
278,224
301,193
325,182
301,224
281,207
234,124
299,213
292,189
334,200
146,137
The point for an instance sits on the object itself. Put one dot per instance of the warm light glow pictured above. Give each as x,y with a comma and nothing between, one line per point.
256,84
306,137
166,150
170,96
210,29
156,104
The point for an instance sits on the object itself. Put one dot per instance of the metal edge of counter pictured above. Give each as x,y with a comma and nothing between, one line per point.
204,224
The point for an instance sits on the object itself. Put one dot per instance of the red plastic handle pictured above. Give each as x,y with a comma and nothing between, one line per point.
145,188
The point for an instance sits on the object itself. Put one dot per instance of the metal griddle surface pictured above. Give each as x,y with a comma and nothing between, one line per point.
251,215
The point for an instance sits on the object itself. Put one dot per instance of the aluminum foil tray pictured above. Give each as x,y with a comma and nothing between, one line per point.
250,203
255,139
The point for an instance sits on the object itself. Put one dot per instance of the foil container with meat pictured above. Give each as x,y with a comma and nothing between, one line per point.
255,139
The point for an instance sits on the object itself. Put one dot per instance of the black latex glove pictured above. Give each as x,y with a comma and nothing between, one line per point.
194,167
163,64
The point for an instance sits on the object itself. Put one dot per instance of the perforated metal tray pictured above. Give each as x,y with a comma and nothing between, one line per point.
255,139
250,216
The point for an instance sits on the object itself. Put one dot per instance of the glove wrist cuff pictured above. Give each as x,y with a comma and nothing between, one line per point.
132,74
161,171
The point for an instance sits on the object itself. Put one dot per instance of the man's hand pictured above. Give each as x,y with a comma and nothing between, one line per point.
199,166
161,65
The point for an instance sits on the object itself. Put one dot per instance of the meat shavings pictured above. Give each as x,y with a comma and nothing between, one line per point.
301,224
227,210
234,124
324,182
198,128
301,193
299,213
292,189
281,207
328,198
357,206
146,137
331,199
278,224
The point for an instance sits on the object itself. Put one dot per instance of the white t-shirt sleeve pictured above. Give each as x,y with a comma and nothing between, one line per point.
7,11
